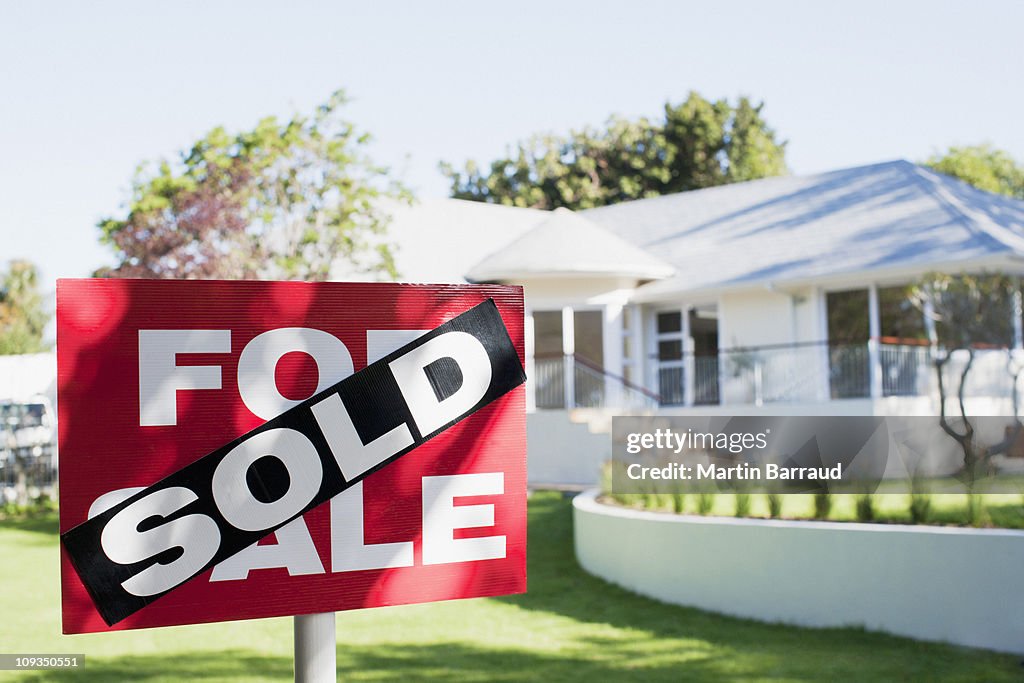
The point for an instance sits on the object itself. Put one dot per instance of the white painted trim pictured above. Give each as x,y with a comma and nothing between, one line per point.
874,339
944,584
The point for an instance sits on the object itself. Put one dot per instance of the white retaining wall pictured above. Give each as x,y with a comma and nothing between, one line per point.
561,452
962,586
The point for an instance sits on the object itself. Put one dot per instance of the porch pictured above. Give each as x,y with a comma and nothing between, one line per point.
792,373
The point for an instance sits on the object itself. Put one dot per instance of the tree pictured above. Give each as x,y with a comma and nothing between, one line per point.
23,317
697,144
984,167
970,311
283,200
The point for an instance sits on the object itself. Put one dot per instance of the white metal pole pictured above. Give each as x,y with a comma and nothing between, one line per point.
1018,323
874,343
315,660
569,355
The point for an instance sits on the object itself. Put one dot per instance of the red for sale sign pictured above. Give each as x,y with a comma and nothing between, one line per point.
236,450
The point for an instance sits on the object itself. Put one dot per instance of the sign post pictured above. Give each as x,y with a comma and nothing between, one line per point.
315,657
235,450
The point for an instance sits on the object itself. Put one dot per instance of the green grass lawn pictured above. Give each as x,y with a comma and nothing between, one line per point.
569,627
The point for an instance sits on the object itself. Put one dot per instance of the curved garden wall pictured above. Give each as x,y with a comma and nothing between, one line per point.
957,585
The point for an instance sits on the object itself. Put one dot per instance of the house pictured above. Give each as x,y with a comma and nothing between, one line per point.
785,295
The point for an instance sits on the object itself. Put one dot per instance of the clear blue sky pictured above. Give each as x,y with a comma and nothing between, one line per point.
88,90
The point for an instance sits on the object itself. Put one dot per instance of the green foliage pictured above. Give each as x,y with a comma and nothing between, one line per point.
39,506
865,508
774,505
23,317
822,505
653,501
920,508
742,501
697,144
705,503
984,167
678,503
975,511
969,308
283,200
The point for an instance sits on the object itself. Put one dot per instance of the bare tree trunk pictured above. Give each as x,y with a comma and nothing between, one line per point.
965,439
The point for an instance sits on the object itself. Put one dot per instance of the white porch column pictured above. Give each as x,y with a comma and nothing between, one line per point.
568,352
874,343
1018,324
824,383
531,381
689,363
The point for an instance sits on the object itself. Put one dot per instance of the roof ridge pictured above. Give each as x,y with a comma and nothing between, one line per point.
743,183
971,219
657,266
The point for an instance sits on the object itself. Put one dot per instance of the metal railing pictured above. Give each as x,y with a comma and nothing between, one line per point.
809,372
821,371
576,382
26,474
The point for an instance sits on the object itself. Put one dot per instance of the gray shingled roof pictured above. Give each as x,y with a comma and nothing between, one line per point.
567,244
884,217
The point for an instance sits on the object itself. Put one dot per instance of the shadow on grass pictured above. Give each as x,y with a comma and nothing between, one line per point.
239,665
42,522
445,662
650,641
558,585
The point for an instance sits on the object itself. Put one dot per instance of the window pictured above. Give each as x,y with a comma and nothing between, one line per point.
671,387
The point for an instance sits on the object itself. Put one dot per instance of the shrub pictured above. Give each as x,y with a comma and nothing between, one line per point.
705,502
822,505
976,514
652,501
865,507
678,502
742,504
920,507
774,505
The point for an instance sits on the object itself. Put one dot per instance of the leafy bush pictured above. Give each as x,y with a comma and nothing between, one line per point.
774,505
742,504
920,508
865,508
822,505
705,503
976,514
678,502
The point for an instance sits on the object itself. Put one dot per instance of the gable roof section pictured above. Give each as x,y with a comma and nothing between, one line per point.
439,240
568,245
887,216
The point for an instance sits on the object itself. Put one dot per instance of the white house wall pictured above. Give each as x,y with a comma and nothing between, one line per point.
755,318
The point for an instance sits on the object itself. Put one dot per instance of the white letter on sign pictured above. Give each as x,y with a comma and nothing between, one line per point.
349,552
431,412
197,535
160,377
441,517
352,455
260,356
294,550
231,490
